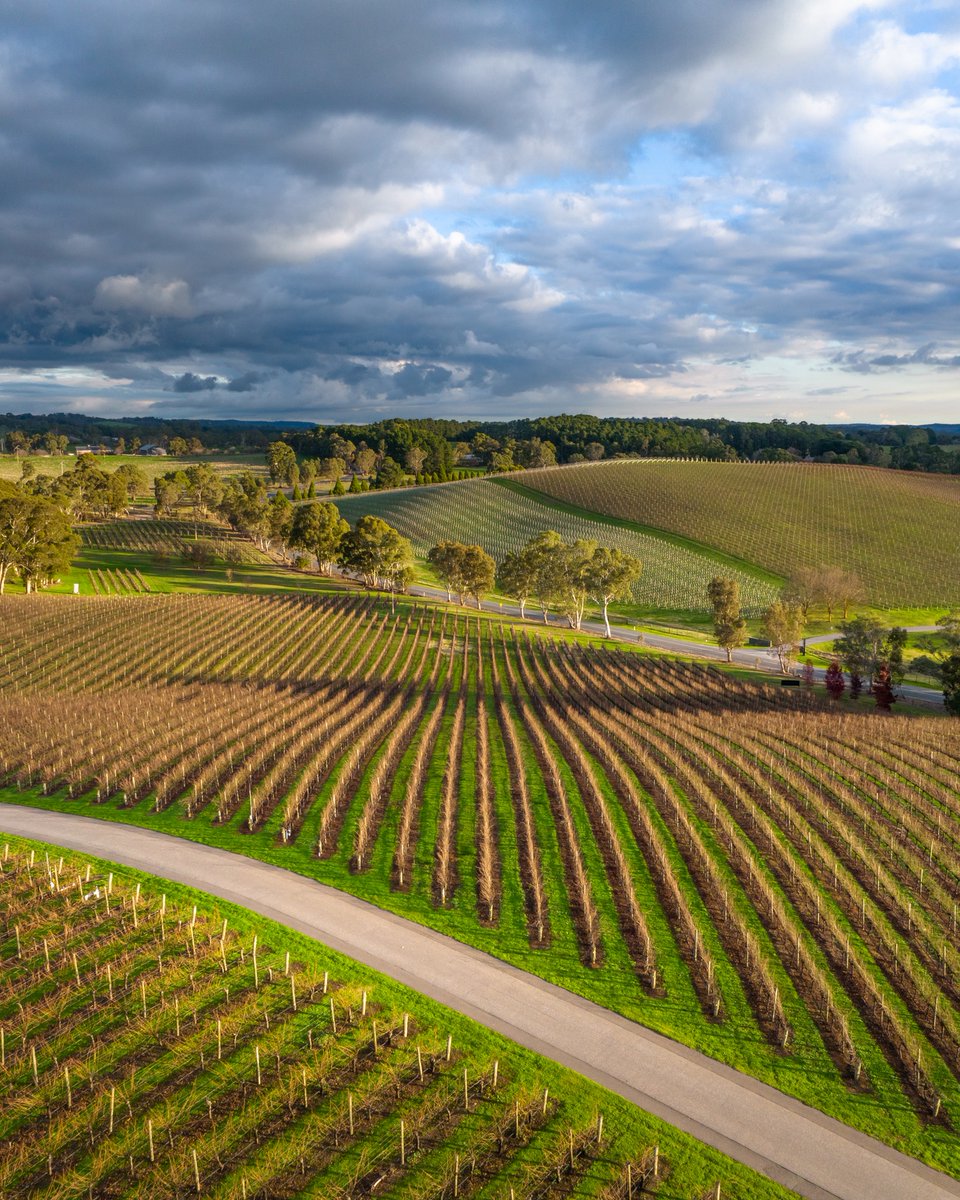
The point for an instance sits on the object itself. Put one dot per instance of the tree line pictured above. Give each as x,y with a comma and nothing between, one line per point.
566,438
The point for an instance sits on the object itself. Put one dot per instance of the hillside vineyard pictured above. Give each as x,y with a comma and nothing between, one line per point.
732,853
899,531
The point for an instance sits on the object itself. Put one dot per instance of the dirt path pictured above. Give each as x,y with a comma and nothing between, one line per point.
796,1145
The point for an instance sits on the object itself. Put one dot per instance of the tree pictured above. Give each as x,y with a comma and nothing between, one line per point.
177,446
610,576
896,643
204,489
331,468
538,453
805,587
36,540
517,577
836,684
319,529
839,588
414,459
546,559
783,627
467,570
279,519
365,459
728,623
390,474
244,504
378,553
134,479
593,451
573,561
478,571
860,649
950,676
444,557
198,554
281,461
883,692
949,627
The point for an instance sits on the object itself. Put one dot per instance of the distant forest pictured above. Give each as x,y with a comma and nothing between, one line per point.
531,442
540,441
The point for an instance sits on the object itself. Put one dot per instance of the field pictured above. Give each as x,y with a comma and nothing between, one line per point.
899,531
745,869
156,1043
134,556
10,465
675,575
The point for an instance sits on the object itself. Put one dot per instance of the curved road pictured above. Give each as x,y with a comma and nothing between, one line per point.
793,1144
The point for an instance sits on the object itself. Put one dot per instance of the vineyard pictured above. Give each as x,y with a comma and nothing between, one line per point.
898,530
480,512
152,1046
738,866
169,537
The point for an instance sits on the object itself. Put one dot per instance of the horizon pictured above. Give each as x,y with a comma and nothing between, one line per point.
352,213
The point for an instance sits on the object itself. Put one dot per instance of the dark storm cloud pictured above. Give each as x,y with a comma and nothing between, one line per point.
188,382
272,196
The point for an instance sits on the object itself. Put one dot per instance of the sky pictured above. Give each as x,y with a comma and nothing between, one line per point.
329,210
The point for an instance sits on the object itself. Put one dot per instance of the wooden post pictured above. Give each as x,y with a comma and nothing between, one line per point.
333,1016
219,1039
33,1064
363,1005
256,973
449,1045
546,1096
466,1091
113,1101
196,1171
350,1111
150,1138
419,1062
256,1051
293,992
403,1144
66,1079
306,1102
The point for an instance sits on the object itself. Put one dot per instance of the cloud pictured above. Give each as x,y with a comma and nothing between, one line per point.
361,210
153,297
189,382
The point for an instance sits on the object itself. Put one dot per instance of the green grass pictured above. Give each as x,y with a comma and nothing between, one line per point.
889,527
692,1166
